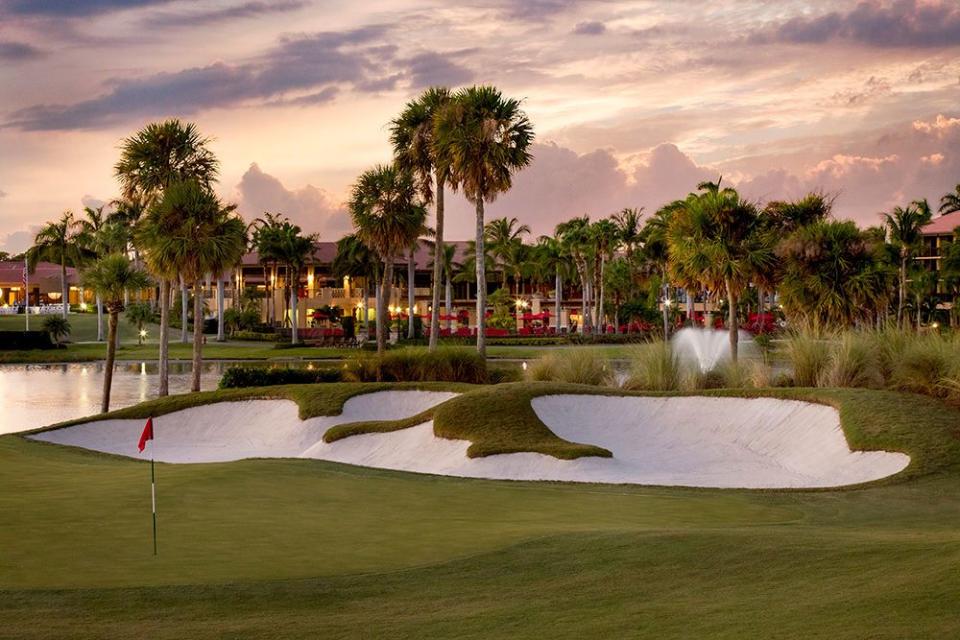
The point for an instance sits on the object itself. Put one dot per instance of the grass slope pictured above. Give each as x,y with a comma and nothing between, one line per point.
294,548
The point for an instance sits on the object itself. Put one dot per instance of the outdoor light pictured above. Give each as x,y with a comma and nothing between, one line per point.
524,365
667,302
143,333
83,306
935,325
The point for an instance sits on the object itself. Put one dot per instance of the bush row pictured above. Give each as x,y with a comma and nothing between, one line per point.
252,376
255,336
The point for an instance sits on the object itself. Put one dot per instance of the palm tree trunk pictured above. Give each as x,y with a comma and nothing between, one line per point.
558,284
164,337
63,287
449,302
411,293
733,322
197,337
383,321
903,288
294,315
99,302
438,253
690,303
364,306
666,309
220,296
111,358
378,295
481,284
600,307
184,303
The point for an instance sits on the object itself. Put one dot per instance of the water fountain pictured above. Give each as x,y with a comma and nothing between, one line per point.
706,347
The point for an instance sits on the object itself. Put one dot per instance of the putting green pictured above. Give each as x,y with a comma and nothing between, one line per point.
268,548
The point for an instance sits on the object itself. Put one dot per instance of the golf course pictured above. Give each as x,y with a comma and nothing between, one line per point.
257,548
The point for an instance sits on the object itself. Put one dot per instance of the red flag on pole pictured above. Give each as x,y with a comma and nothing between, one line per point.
146,435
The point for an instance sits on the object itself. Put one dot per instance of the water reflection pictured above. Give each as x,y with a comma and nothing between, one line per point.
36,395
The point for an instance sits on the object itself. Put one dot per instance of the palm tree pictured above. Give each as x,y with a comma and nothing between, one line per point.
356,260
95,242
161,154
719,235
628,228
905,231
575,241
294,249
550,253
448,267
656,254
503,236
387,219
191,229
139,314
832,274
606,239
482,138
950,202
412,136
111,277
57,242
265,240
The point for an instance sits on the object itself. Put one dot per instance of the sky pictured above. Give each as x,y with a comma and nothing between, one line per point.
633,103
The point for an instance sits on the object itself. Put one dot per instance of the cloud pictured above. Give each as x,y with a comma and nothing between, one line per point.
877,23
310,207
252,9
431,68
590,28
18,241
73,8
19,51
319,62
940,126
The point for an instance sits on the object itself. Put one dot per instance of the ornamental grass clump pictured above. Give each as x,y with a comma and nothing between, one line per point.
742,374
925,365
809,356
656,367
854,361
574,365
416,365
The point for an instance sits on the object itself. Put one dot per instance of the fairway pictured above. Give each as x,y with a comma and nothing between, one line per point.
318,548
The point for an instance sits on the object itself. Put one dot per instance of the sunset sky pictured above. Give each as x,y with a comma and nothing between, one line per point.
633,102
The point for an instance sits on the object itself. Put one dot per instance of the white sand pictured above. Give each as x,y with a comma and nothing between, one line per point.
688,441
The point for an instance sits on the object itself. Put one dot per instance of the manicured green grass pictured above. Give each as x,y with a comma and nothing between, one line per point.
178,351
83,327
295,548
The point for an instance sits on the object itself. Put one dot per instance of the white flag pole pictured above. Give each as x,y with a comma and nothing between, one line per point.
26,289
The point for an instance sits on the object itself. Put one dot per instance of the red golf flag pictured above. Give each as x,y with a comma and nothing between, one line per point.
146,435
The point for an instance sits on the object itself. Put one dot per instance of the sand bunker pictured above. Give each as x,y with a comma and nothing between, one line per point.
687,441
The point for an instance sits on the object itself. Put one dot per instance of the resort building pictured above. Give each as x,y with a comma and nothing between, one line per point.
938,234
45,287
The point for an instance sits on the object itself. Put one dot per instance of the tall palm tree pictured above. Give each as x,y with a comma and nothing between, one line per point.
191,229
412,135
265,234
161,154
575,241
606,238
111,277
294,250
482,138
628,228
448,268
58,242
719,235
356,260
96,242
656,254
503,236
905,232
950,202
550,252
387,218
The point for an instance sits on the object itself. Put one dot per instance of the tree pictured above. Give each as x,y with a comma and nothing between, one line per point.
99,235
656,255
606,239
833,275
387,218
293,250
448,267
482,138
355,259
58,327
575,242
139,314
719,235
57,242
628,228
549,252
192,230
504,236
111,277
905,231
412,135
161,154
950,202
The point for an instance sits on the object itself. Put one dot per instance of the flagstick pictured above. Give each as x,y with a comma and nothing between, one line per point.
26,290
153,502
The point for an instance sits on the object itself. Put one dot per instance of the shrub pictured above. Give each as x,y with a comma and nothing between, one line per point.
853,362
57,326
256,336
925,366
809,355
264,377
656,367
743,374
416,365
578,366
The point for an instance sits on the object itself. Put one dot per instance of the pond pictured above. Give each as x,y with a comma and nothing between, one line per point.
37,395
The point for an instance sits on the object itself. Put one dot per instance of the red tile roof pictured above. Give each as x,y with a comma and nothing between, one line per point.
943,225
11,273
